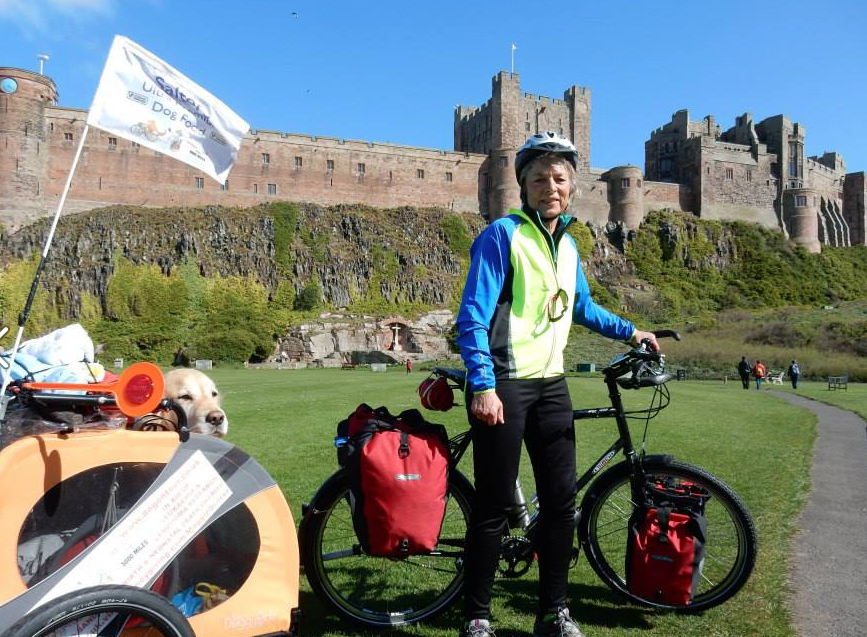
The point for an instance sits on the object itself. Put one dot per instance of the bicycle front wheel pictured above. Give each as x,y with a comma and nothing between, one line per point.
731,542
104,611
377,591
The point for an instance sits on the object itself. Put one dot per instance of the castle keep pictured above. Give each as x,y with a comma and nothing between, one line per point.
753,171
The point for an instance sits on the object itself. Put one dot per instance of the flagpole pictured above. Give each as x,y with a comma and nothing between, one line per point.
22,318
512,71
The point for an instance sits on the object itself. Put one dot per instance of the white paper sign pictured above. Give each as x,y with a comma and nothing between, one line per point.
145,541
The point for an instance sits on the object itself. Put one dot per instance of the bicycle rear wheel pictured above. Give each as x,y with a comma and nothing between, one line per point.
104,611
377,591
731,545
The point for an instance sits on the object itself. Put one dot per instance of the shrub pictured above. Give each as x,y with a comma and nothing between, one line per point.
308,298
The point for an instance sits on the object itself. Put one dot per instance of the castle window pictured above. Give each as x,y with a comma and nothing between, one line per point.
448,177
800,200
297,163
224,187
266,159
504,161
272,189
360,169
391,175
255,189
527,127
624,182
419,173
749,175
51,127
67,137
329,165
112,143
730,173
200,183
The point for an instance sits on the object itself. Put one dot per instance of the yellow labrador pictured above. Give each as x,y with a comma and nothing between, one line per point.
200,400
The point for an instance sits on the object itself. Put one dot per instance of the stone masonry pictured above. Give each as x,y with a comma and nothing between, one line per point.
753,171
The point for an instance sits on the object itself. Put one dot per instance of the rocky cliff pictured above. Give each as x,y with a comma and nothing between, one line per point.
404,256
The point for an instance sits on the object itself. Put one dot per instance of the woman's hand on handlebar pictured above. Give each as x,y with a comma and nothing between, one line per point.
640,336
488,408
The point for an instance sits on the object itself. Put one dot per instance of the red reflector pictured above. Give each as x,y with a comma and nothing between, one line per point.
139,389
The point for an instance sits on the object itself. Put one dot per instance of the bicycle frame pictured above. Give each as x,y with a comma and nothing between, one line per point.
460,443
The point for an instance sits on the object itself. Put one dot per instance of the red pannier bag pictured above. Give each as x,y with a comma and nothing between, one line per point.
398,472
665,551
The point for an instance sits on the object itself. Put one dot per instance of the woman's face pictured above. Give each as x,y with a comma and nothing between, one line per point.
548,183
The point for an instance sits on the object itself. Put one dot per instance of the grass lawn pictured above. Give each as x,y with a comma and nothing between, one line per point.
757,443
854,398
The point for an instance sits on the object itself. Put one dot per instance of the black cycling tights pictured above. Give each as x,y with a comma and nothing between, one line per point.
539,413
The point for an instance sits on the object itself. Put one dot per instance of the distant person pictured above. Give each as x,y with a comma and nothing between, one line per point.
408,365
759,374
744,371
794,373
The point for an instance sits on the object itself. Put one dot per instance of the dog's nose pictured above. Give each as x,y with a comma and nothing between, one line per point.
215,418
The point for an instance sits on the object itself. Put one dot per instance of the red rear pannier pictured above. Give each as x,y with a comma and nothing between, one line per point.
398,468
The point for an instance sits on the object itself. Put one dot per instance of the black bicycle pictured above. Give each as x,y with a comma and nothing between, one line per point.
380,592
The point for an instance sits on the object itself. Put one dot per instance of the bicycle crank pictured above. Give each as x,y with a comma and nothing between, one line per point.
516,556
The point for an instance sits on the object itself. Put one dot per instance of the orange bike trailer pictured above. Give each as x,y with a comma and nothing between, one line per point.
115,506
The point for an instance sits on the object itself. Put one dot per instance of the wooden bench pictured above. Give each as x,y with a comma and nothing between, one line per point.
348,366
838,382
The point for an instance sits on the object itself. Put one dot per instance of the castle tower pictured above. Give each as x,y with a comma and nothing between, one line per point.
578,98
801,216
626,195
501,125
505,140
24,160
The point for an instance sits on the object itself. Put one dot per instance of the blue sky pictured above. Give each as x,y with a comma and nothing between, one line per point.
394,70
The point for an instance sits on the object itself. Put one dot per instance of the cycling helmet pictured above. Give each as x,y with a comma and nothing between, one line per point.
436,394
541,144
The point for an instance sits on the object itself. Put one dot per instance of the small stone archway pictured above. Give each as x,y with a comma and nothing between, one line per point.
396,334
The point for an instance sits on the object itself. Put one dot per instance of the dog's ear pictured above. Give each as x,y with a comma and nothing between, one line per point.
162,420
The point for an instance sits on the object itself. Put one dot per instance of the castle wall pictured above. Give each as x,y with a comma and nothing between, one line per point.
659,194
591,201
736,183
271,166
855,207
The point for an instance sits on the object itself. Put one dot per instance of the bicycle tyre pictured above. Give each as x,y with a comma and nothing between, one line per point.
378,592
730,550
111,607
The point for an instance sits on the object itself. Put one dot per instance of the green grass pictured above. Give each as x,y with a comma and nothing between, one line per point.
758,444
854,398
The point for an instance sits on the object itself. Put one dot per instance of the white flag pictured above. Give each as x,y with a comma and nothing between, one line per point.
143,99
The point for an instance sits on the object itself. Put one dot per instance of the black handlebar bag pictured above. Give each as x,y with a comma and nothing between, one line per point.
398,471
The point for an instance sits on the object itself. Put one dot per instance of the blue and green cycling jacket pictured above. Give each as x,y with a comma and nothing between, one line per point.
506,328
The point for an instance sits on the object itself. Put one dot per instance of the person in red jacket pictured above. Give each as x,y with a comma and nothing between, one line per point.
759,374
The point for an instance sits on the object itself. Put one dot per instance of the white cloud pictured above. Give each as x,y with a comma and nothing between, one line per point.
41,15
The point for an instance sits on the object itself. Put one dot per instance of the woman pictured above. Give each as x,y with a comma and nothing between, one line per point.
759,374
525,275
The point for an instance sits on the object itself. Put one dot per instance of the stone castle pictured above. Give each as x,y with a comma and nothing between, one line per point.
752,171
